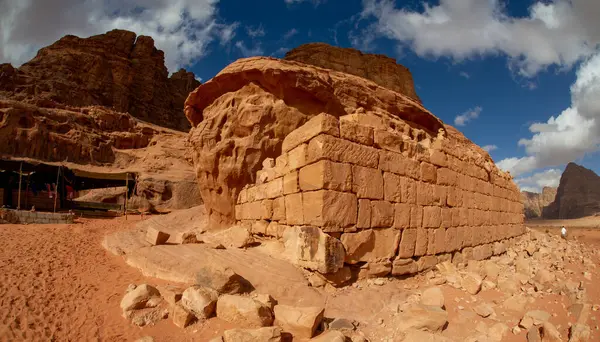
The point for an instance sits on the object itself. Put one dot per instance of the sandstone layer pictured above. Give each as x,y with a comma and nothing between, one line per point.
118,70
380,69
536,203
578,194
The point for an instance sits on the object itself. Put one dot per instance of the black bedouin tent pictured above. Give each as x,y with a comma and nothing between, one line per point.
37,177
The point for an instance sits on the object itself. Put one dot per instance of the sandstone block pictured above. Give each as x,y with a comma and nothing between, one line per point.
266,209
180,315
431,242
279,209
156,237
296,158
356,132
276,229
409,190
343,151
301,322
423,317
244,312
330,336
291,183
382,214
433,296
200,301
375,270
426,262
326,208
446,218
421,243
471,282
392,187
364,214
402,215
388,140
416,216
309,247
428,173
446,176
450,240
440,240
238,236
320,124
222,279
266,334
325,174
370,245
438,158
294,213
404,266
397,163
482,252
248,211
367,182
454,197
407,243
171,294
432,217
138,297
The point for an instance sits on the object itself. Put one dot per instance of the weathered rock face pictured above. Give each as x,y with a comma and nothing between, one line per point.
535,203
241,116
116,69
578,194
380,69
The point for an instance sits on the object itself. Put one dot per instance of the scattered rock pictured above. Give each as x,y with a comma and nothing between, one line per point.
148,316
186,238
423,317
533,335
549,333
145,339
138,297
330,336
580,333
471,282
515,303
341,324
238,236
497,332
433,296
309,247
534,317
265,299
544,277
413,335
217,339
171,294
484,310
244,312
200,301
156,237
301,322
267,334
181,316
222,279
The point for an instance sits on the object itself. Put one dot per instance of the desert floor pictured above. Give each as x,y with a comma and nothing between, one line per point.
57,283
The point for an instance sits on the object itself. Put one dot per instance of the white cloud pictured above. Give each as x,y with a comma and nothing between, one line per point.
315,2
281,51
465,75
182,28
289,34
539,180
255,50
555,32
256,32
462,119
569,135
490,148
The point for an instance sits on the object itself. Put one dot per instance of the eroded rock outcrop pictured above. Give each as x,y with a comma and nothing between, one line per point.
536,203
241,116
380,69
578,194
118,70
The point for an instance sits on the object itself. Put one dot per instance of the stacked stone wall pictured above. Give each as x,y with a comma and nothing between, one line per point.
399,199
27,217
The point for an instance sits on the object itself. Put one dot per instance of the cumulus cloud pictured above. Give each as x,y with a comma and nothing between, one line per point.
539,180
183,28
289,34
462,119
490,148
569,135
465,75
555,32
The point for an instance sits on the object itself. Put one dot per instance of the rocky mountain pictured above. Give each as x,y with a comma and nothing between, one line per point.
103,104
536,203
380,69
118,70
578,194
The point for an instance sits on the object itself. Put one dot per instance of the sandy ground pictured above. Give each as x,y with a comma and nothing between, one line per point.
57,283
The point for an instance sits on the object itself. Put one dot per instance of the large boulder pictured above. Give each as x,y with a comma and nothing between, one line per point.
200,301
244,312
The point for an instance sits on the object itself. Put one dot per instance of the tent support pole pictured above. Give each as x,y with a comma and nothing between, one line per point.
20,180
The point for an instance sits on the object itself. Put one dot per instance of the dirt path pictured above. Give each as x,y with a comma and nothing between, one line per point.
58,283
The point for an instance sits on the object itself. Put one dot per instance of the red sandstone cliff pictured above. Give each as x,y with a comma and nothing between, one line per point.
118,70
380,69
535,203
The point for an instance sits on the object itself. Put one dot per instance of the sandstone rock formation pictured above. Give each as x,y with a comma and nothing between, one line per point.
380,69
116,70
578,194
80,103
280,144
535,203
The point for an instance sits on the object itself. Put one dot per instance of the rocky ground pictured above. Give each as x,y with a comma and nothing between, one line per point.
58,283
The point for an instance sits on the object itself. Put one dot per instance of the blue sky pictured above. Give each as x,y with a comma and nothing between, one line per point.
521,77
